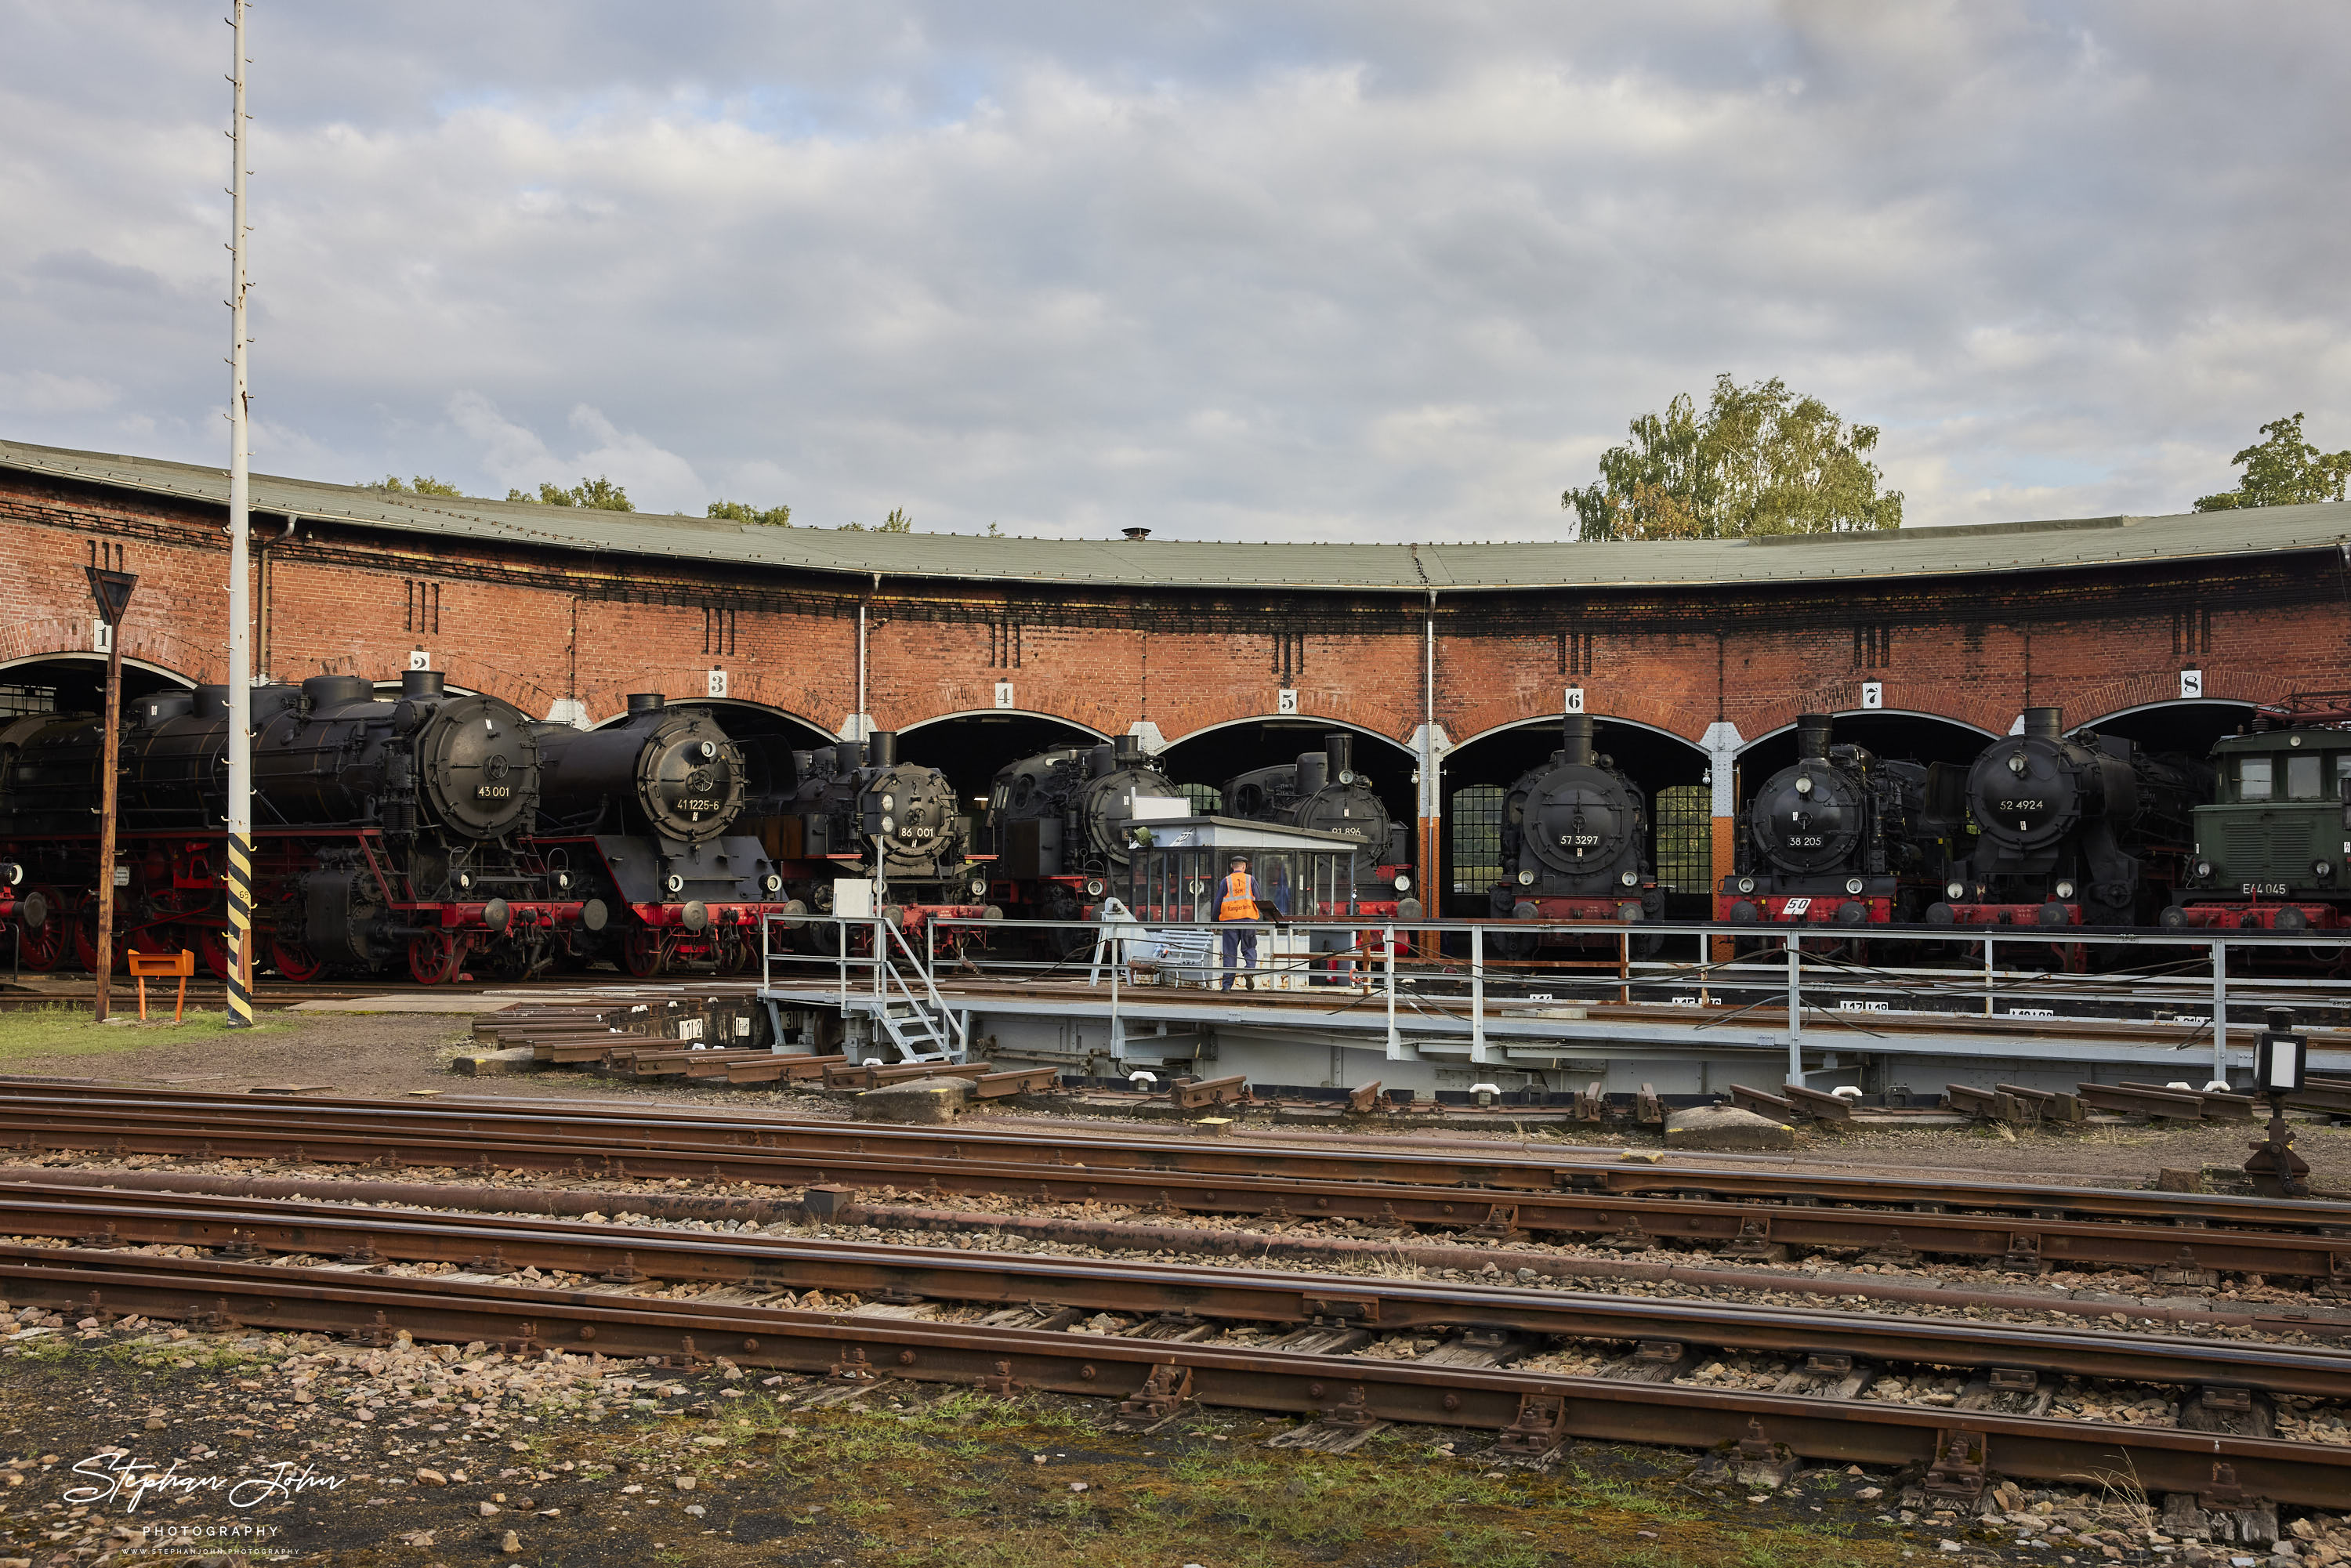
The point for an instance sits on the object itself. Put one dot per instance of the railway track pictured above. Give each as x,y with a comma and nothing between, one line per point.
2184,1239
1285,1343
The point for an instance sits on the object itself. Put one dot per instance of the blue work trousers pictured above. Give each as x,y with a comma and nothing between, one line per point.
1240,945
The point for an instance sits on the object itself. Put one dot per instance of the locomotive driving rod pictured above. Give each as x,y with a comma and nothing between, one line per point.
94,1111
1155,1380
245,1228
2049,1236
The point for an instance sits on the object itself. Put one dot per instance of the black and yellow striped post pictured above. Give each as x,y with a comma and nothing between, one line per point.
240,930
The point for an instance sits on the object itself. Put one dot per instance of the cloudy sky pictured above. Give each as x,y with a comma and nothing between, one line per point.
1245,271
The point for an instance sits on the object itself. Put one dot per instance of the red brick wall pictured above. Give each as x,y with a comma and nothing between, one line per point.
536,627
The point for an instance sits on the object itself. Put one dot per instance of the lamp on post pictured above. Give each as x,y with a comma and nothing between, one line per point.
2280,1058
111,589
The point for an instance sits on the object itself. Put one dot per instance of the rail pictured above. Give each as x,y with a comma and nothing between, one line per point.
1437,980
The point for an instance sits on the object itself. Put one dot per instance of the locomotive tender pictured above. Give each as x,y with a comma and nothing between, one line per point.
1840,835
2085,830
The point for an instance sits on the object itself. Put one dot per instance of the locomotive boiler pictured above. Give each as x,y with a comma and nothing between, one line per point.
378,822
643,809
2085,830
1322,791
1057,824
1575,839
1840,835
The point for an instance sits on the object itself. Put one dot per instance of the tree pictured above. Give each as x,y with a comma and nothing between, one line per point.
897,522
2283,471
743,512
423,485
599,493
1759,460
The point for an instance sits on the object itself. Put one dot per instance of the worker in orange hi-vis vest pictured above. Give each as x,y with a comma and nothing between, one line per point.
1234,910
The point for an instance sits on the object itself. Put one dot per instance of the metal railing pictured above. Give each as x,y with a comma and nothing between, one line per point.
1455,979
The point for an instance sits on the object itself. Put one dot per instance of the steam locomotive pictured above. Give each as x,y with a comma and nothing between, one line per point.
1575,839
2085,830
1322,791
379,824
1056,825
639,812
859,813
1840,835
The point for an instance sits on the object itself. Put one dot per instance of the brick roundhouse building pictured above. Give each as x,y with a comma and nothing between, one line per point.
1452,662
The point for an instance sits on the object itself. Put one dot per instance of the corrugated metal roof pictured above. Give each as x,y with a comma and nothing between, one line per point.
1168,563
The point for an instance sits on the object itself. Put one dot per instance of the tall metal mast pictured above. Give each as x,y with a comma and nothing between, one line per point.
240,611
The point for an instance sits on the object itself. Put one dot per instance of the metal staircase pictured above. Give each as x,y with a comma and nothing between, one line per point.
905,1005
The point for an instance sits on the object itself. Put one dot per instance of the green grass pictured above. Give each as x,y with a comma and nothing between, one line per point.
60,1030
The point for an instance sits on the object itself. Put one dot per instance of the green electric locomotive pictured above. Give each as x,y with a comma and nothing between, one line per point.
2271,849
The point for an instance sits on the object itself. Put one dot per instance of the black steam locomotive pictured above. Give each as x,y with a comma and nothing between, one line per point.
1841,835
381,824
1575,839
640,812
1322,791
855,795
1056,825
2085,830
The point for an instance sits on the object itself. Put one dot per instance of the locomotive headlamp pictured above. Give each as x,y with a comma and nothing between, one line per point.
674,883
771,883
1403,883
1746,884
464,881
562,881
1094,886
11,873
1347,776
2064,890
2203,867
2016,762
1526,879
1803,783
979,887
1853,884
1629,878
2321,870
1955,891
889,803
889,825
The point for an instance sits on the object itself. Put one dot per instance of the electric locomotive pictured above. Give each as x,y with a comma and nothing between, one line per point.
1322,791
1839,836
642,808
1575,839
2084,830
379,824
2272,849
1056,825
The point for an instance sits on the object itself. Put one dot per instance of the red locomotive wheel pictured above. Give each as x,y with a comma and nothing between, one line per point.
641,953
434,958
211,944
85,944
293,961
44,946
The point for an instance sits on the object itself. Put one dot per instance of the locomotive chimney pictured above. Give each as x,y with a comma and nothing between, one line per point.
2044,723
420,684
1575,728
647,702
1128,750
848,757
1313,771
1812,735
803,761
882,749
1339,749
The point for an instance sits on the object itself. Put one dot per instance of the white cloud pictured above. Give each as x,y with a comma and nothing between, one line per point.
1304,271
